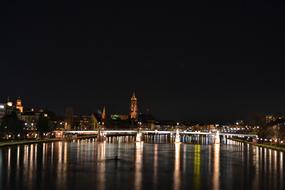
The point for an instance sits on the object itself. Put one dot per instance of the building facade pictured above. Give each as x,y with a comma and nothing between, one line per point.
19,105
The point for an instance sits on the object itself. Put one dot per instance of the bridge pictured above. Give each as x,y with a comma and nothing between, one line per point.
102,134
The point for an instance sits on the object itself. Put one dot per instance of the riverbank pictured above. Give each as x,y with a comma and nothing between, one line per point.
33,141
273,147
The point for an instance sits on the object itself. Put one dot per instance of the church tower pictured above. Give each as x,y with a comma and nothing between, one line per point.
104,116
19,105
134,107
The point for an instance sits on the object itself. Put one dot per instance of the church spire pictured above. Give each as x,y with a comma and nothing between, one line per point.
134,107
134,96
104,114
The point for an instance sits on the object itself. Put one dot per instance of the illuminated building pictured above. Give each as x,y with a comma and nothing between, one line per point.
9,108
9,103
68,118
19,105
95,121
104,116
119,117
82,123
270,118
119,121
31,119
134,107
2,111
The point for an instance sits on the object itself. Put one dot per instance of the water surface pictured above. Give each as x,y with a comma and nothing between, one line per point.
86,164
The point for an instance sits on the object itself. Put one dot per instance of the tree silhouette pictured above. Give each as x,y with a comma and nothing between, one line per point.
11,124
44,125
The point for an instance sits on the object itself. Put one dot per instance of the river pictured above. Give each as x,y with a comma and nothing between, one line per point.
87,164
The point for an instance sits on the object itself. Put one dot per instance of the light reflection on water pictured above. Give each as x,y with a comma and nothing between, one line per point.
216,167
197,166
155,165
138,165
176,173
101,167
86,164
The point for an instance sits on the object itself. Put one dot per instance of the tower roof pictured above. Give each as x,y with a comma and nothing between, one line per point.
134,96
104,113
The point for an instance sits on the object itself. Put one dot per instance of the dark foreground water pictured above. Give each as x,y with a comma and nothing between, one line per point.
86,164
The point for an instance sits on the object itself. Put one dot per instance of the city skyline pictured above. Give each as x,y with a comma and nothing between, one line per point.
133,112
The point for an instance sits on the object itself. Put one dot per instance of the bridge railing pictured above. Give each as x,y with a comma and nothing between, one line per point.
157,132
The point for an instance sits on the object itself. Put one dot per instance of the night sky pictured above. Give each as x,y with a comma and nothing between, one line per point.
205,61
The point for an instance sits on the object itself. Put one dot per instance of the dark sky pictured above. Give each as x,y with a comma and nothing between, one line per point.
205,60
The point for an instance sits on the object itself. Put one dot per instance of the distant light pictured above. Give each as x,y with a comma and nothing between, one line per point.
10,104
